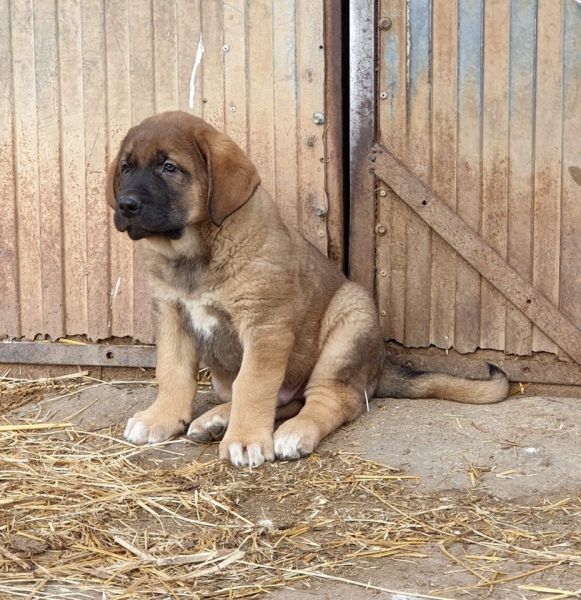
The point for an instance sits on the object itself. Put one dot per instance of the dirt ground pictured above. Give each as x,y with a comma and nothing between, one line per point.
522,452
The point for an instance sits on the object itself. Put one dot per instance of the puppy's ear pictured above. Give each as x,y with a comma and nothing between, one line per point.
112,185
232,178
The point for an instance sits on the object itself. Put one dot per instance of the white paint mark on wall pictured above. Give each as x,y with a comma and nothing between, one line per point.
115,290
113,295
197,62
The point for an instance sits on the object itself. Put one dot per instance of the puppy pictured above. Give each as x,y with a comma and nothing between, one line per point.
282,330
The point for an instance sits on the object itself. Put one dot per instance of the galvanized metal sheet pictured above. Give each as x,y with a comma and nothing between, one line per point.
472,248
78,75
480,101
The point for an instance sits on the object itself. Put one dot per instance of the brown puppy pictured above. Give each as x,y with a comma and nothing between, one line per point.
240,292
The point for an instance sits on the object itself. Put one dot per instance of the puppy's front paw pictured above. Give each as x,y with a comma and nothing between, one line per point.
250,449
152,426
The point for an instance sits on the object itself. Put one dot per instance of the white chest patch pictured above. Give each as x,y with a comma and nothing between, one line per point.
203,322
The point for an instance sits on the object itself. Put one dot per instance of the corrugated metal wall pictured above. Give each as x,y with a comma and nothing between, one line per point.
482,101
75,75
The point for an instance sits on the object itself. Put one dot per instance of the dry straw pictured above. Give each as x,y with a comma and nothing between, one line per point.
86,515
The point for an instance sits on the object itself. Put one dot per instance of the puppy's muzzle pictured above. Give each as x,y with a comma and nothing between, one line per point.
129,206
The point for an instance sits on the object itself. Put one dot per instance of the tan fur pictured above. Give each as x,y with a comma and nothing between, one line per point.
274,320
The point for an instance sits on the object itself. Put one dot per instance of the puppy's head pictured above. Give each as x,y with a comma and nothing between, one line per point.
174,170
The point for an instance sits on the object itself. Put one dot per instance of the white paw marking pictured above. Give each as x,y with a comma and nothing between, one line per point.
253,456
237,457
286,446
146,430
136,432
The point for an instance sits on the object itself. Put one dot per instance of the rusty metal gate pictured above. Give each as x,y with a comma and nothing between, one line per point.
465,173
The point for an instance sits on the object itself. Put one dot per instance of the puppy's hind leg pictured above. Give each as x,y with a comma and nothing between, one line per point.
328,405
349,363
212,425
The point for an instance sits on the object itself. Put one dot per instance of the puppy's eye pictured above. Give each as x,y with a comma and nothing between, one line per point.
125,168
169,167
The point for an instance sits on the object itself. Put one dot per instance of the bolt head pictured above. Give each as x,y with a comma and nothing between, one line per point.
380,229
383,95
321,234
318,118
225,47
321,211
382,193
385,23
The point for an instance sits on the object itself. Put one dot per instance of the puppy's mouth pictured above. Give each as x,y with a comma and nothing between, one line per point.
136,232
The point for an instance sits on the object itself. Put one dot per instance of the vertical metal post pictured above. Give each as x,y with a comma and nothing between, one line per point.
334,134
362,130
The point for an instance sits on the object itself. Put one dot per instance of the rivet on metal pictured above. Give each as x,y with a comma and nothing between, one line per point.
380,229
318,118
321,211
321,234
383,272
383,313
225,47
382,193
383,95
232,109
385,23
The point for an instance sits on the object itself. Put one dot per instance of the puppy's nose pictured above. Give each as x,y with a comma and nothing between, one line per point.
128,205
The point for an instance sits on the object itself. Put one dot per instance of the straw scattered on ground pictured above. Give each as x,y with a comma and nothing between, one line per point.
86,515
16,392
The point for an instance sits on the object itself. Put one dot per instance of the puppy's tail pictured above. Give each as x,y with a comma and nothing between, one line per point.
397,381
